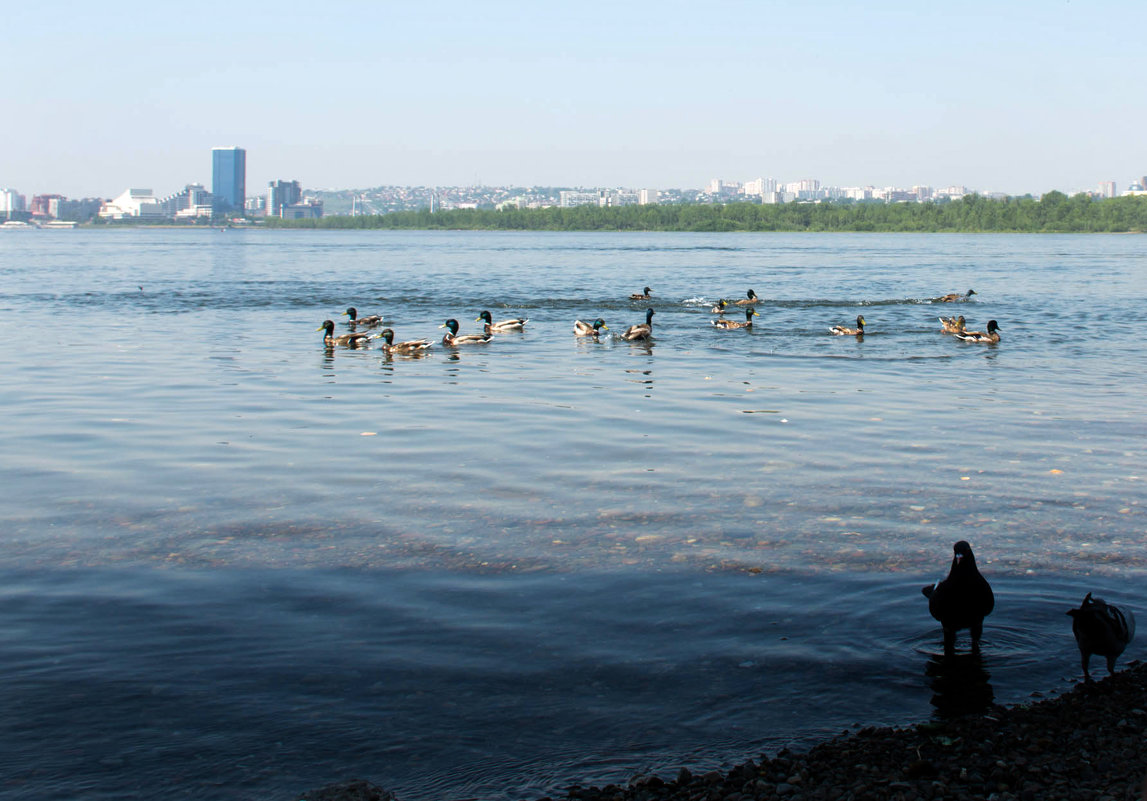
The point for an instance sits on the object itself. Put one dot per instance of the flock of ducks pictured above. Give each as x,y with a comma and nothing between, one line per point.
634,333
964,598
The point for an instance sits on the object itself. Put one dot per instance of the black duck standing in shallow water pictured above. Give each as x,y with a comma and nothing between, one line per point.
962,600
1101,628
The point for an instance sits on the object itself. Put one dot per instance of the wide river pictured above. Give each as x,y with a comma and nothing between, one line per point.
236,564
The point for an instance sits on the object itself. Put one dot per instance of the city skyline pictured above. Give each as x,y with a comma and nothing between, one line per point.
1016,98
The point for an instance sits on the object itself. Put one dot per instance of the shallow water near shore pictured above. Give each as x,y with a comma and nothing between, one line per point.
236,563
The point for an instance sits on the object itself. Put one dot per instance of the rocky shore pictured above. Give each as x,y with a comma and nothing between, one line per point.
1085,745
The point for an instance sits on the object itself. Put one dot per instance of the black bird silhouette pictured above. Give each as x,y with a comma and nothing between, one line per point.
1101,628
962,600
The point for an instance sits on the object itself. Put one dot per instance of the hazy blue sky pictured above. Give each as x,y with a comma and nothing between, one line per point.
1014,97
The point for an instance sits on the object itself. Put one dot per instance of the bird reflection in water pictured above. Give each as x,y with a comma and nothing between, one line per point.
961,685
646,381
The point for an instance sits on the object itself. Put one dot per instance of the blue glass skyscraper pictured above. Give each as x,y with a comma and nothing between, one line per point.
229,179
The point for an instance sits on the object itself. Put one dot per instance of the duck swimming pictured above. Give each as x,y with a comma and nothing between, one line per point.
646,294
952,325
452,339
587,330
356,340
721,307
512,324
992,335
408,348
844,330
953,297
728,325
749,299
639,332
369,320
962,600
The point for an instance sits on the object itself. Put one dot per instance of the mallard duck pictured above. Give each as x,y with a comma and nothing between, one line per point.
354,340
637,332
730,324
646,294
992,335
952,297
1101,628
587,330
408,348
513,324
451,339
844,330
749,299
721,307
962,600
369,320
952,325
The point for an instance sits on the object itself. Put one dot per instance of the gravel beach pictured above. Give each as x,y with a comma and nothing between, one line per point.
1085,745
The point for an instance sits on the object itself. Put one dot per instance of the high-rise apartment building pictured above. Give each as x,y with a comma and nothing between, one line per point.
281,194
229,179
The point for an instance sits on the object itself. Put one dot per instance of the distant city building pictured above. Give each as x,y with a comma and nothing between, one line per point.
570,198
229,179
308,209
140,203
193,201
647,197
11,202
75,210
760,186
42,205
1107,189
1137,187
281,194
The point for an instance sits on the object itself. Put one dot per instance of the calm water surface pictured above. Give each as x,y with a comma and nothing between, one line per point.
236,564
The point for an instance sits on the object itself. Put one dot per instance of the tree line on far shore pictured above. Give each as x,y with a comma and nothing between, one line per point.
1055,212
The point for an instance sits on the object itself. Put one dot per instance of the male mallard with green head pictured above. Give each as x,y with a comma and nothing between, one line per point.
355,340
639,332
410,347
587,330
721,307
991,336
728,325
646,294
844,330
369,321
502,326
952,297
452,338
749,299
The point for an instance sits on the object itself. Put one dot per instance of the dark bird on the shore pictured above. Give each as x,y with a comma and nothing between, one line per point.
844,330
646,294
354,340
953,297
636,332
1101,628
962,600
991,336
749,299
731,324
502,326
952,325
589,330
453,339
